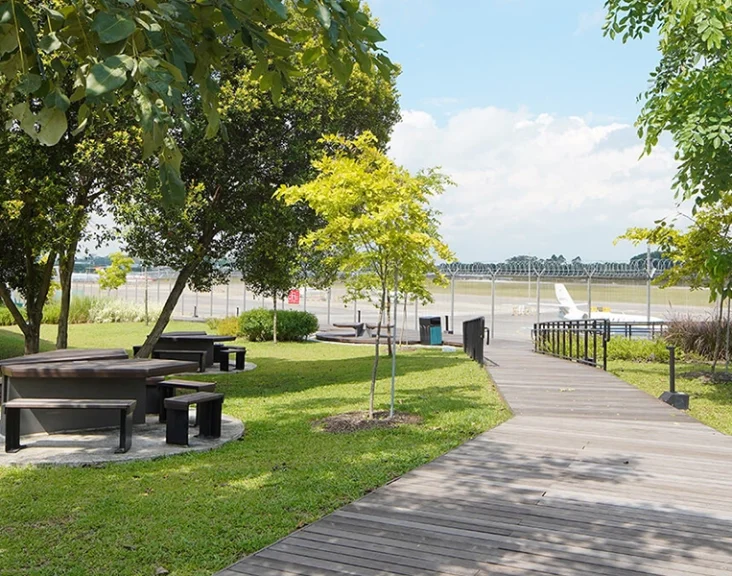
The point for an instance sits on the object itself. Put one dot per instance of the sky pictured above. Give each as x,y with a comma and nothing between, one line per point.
530,110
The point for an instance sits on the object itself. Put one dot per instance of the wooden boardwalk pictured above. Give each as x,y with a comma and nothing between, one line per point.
591,477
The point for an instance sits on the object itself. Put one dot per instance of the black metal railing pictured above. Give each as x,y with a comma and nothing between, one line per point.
583,341
474,338
630,330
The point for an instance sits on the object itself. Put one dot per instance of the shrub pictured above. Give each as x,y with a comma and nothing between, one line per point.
696,337
292,325
228,326
638,350
6,318
108,311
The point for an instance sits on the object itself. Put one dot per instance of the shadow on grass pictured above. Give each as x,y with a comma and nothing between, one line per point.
12,344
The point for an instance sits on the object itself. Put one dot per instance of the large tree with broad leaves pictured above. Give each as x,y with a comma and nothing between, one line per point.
146,55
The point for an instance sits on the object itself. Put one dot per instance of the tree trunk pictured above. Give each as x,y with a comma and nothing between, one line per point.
66,269
167,312
6,296
374,371
718,339
274,319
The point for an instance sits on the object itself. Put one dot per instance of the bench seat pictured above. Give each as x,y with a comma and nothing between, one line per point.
12,409
208,405
167,390
240,352
198,355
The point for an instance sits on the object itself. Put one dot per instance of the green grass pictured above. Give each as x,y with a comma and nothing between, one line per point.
710,403
196,513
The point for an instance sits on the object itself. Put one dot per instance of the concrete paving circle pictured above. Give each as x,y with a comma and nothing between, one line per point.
90,448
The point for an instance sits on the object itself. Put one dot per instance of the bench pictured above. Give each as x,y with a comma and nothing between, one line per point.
167,389
240,352
198,355
152,394
209,416
135,350
371,329
12,409
217,347
357,326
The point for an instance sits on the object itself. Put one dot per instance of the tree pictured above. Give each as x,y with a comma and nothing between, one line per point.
269,143
690,95
33,211
379,229
271,256
145,56
115,275
702,254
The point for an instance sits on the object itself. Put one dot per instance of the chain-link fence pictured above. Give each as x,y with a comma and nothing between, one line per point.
510,296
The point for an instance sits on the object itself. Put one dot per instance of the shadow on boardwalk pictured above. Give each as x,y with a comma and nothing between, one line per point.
578,483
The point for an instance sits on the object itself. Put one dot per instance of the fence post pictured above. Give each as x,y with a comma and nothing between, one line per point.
493,306
330,293
589,296
452,299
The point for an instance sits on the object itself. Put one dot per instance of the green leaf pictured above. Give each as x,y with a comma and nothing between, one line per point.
29,84
8,43
278,7
6,13
53,126
50,43
310,55
113,27
373,34
57,99
104,78
323,15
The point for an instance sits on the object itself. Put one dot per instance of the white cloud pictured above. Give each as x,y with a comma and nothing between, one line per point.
538,184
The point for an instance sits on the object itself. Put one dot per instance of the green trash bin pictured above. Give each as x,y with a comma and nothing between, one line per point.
430,330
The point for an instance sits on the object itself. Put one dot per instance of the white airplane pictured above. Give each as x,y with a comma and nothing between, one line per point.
568,310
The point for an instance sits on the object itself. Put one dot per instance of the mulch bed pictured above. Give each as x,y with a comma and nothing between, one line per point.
355,421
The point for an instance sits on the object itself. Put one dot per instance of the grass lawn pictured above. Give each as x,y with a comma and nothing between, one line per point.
195,514
709,403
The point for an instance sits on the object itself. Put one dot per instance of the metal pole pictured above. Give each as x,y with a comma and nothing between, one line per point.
648,284
538,298
158,287
147,317
589,296
416,311
210,305
244,304
671,368
493,306
452,300
330,293
227,298
195,304
136,292
305,299
183,302
393,344
355,313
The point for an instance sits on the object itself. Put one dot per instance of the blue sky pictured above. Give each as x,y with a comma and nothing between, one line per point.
502,79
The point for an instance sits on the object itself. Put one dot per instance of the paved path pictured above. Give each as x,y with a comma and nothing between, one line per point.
590,477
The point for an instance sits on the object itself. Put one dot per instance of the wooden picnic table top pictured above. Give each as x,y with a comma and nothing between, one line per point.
69,355
136,368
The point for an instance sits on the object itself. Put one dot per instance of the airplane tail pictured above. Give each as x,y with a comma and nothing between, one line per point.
567,307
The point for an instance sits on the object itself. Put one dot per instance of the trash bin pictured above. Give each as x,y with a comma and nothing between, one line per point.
430,330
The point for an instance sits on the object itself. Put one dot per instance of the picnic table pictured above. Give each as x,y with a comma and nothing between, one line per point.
192,341
93,379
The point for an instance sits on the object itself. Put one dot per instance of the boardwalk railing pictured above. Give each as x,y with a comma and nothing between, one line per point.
474,338
583,341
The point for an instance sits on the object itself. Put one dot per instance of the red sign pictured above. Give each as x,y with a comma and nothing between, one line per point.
293,297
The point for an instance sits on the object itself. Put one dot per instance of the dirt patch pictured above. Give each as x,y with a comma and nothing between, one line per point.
708,377
355,421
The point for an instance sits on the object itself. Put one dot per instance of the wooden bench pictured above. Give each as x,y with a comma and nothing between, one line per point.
12,409
371,330
208,406
135,350
240,352
167,390
198,355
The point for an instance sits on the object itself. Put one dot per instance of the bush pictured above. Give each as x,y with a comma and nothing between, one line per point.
292,325
696,337
638,350
6,318
228,326
108,311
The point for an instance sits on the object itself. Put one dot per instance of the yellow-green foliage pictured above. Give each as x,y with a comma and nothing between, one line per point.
637,350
